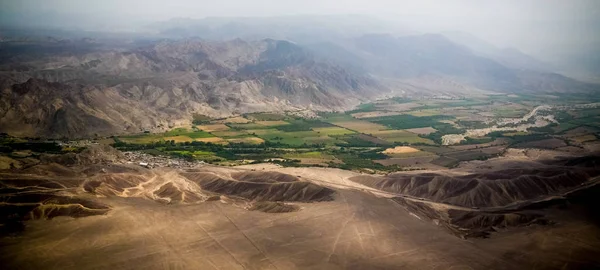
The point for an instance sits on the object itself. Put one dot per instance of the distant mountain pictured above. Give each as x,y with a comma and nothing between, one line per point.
299,28
419,59
413,56
509,57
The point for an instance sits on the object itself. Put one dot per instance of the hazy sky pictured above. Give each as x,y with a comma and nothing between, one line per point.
164,9
525,24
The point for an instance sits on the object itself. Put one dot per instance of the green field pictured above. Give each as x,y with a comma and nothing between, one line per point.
427,112
177,135
265,116
230,134
333,131
404,121
303,125
186,132
297,138
311,155
353,124
401,136
247,126
509,113
437,104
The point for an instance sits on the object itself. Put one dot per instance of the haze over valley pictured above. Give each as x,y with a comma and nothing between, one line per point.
299,135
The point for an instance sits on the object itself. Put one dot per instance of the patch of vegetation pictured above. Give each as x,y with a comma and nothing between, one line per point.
333,131
406,121
480,140
549,129
592,121
265,116
509,112
474,154
516,133
39,147
355,140
428,112
360,160
200,119
230,134
442,129
401,100
367,107
435,104
304,125
310,154
246,126
208,152
336,117
472,124
176,135
401,137
298,138
528,138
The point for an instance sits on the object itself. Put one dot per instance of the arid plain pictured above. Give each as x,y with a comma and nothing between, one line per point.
119,216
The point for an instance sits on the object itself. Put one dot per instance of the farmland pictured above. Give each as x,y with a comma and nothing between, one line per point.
358,139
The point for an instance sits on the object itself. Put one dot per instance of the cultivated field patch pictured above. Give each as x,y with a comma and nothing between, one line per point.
178,139
249,140
406,121
427,112
398,107
424,131
247,126
515,133
228,133
475,154
400,136
177,135
211,140
360,115
297,138
360,126
333,131
272,123
265,116
213,127
234,120
311,155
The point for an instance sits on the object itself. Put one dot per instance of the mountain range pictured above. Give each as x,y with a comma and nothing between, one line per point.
104,85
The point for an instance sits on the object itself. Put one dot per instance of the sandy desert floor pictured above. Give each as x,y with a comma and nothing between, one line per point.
357,228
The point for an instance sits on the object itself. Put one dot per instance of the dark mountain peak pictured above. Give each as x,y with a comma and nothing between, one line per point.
280,54
35,85
284,47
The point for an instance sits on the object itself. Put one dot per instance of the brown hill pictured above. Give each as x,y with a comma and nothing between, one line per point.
264,186
488,189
